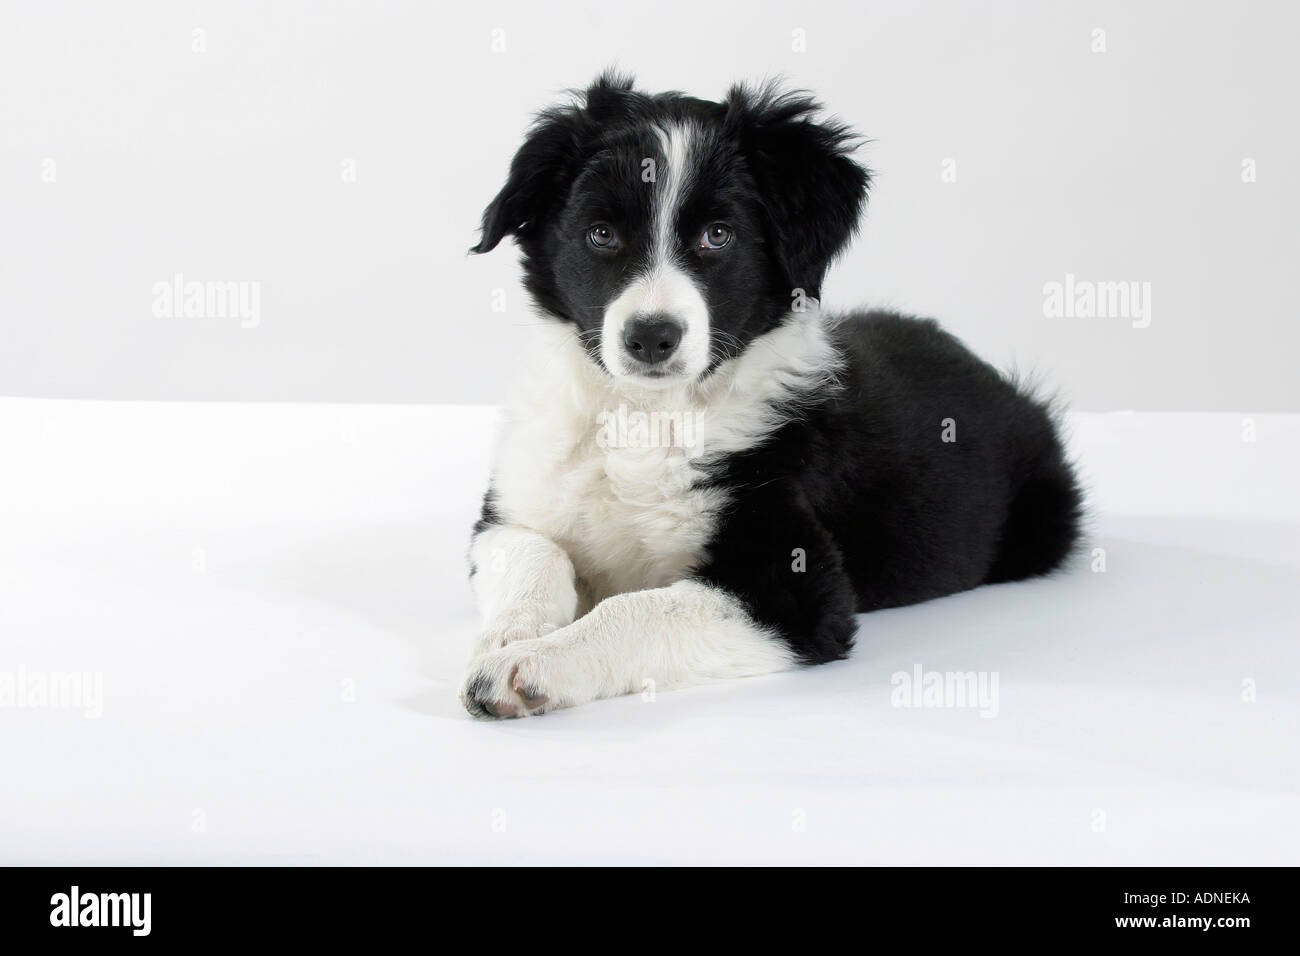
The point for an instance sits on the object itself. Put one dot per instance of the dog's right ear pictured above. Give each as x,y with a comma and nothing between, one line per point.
547,164
813,191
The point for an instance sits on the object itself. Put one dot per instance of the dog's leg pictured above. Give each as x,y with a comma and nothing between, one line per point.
525,586
686,633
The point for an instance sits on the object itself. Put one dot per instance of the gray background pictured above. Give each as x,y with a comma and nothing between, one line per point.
226,165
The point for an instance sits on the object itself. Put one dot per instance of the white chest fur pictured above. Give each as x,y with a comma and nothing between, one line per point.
612,475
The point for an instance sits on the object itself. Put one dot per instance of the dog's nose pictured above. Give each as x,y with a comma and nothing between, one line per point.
652,338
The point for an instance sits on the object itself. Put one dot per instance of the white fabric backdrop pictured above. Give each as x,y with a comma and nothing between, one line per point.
275,597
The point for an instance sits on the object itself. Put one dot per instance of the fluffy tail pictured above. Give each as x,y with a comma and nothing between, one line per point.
1042,525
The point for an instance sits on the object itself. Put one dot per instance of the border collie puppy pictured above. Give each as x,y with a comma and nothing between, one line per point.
704,476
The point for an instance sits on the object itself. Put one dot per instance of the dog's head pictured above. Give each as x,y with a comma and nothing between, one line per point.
672,231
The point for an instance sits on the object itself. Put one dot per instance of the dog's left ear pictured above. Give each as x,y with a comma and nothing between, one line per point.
814,193
537,177
551,157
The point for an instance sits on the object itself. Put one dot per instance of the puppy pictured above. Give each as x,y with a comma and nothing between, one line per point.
703,475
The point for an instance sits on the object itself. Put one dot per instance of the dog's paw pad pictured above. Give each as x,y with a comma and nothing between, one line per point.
531,693
486,694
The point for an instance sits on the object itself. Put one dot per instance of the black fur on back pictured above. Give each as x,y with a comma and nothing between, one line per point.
883,509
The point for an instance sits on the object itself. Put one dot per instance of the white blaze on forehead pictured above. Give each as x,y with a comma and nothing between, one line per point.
671,182
664,287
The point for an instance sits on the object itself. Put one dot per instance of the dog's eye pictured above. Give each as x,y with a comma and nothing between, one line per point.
602,236
715,236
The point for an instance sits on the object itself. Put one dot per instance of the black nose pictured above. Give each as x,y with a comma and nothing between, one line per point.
651,338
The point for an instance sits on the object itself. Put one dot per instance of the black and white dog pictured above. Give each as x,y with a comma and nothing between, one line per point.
706,476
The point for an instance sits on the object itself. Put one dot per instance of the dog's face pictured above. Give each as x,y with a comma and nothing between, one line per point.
670,231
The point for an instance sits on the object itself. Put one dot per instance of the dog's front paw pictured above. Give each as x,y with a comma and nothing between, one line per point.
508,683
509,629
